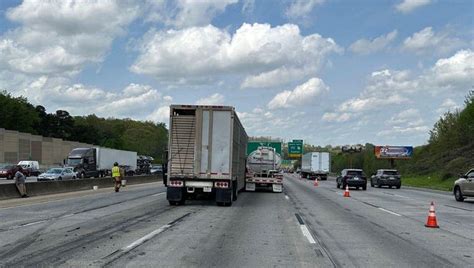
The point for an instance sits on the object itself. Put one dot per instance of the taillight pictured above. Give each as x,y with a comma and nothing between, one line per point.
176,183
221,184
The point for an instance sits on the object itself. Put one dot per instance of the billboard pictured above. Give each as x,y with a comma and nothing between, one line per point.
352,148
393,152
253,145
295,149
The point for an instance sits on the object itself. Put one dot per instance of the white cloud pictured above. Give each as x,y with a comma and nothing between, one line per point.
364,46
387,89
301,8
186,13
302,94
252,50
408,6
214,99
248,6
336,117
427,41
454,73
448,105
60,37
136,101
405,122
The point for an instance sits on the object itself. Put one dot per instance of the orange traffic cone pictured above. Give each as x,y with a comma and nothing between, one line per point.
346,193
432,222
316,183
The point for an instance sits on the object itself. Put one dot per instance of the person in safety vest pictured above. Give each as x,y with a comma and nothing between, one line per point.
117,176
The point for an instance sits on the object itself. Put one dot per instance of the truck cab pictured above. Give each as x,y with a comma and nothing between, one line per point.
83,162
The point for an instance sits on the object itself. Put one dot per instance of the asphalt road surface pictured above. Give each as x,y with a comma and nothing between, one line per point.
305,226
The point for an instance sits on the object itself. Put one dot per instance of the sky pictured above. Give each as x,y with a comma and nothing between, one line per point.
326,71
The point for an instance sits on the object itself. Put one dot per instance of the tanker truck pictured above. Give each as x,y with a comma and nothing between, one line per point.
263,166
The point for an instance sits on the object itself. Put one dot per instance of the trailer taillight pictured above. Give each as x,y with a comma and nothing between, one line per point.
176,183
221,184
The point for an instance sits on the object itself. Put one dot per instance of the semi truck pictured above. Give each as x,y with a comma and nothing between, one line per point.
206,154
98,161
263,166
316,165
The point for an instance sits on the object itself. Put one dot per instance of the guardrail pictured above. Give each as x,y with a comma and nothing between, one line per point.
8,191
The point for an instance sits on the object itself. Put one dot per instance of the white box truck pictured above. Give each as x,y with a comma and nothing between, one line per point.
316,164
98,162
206,153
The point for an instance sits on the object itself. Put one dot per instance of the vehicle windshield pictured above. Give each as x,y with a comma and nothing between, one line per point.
73,161
390,172
6,167
54,171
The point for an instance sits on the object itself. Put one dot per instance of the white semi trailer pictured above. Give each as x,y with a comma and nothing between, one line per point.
98,161
206,153
316,164
263,167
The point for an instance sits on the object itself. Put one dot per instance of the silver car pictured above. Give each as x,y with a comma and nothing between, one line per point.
57,174
464,186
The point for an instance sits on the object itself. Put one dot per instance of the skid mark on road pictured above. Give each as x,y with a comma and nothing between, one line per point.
109,259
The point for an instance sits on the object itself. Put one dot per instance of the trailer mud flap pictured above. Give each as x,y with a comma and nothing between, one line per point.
250,186
223,195
174,193
277,188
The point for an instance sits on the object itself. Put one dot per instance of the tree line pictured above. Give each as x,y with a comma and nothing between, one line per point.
147,138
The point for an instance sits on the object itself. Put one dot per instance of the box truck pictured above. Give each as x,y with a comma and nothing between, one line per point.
316,164
206,153
98,162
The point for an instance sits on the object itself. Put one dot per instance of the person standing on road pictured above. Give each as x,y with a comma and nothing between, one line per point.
117,176
20,179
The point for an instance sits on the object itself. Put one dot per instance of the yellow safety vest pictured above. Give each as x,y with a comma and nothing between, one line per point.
115,171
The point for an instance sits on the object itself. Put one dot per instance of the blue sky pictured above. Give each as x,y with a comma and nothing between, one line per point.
329,72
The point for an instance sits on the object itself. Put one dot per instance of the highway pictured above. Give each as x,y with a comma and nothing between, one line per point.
305,226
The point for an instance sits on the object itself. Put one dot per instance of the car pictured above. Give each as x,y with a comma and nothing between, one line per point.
464,186
75,173
352,178
57,174
156,169
386,177
7,171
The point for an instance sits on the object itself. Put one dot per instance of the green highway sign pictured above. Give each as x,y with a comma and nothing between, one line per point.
253,145
295,149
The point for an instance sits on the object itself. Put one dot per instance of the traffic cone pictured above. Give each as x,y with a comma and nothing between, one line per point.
316,183
432,222
346,193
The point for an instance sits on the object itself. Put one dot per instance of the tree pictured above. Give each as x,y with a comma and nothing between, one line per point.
17,114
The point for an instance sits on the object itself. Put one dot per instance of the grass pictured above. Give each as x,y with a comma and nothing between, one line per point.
430,182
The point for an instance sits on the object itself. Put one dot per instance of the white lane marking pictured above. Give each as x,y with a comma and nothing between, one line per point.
32,223
287,197
307,234
158,194
391,212
145,238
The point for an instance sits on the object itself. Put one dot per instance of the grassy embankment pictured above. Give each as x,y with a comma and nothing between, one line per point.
430,182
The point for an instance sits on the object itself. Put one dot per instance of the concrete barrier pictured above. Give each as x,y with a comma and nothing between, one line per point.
8,191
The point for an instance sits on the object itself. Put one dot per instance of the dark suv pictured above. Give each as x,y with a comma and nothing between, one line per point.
353,178
386,177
